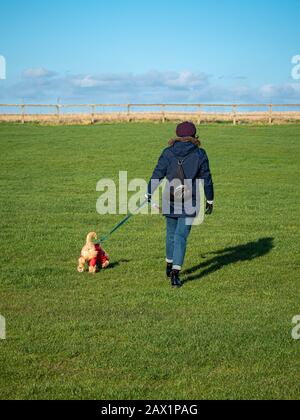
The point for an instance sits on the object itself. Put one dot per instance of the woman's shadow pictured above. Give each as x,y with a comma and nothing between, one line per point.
228,256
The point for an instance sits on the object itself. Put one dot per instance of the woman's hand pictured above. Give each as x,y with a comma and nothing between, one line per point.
209,208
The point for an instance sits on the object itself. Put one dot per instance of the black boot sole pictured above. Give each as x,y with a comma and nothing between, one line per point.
177,286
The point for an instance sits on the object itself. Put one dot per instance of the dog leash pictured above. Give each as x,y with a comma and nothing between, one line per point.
124,221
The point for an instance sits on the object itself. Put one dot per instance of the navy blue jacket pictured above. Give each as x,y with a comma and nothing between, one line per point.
196,166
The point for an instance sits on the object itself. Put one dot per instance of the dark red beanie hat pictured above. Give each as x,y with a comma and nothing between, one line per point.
186,129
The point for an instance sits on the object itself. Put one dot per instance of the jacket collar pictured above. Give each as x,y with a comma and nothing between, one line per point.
194,140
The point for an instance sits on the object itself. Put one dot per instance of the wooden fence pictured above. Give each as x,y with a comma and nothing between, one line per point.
130,112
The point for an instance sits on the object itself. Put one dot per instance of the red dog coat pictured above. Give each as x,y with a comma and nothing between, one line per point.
101,258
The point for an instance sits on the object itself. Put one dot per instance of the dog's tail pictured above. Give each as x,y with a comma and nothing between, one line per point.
90,237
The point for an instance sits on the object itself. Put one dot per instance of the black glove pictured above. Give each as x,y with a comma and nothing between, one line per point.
148,197
209,209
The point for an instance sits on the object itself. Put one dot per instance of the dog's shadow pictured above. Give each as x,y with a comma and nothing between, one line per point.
228,256
117,264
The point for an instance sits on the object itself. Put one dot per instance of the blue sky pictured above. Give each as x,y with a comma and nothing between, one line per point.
129,50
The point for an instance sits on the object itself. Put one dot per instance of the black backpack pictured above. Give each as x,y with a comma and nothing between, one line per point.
181,192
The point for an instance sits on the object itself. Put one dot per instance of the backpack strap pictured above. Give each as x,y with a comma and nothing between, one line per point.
181,162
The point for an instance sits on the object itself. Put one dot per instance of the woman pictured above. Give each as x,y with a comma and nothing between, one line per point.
182,163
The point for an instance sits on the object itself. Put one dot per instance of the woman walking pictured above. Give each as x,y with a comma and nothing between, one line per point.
183,163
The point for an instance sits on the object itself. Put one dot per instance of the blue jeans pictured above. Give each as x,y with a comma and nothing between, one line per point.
177,236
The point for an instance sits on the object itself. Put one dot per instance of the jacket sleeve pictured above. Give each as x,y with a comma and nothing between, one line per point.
205,174
159,173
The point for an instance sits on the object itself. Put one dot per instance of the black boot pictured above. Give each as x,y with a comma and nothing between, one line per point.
169,270
175,280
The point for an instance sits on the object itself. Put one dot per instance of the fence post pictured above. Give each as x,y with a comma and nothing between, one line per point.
163,114
199,115
23,113
58,113
128,113
234,114
271,114
93,114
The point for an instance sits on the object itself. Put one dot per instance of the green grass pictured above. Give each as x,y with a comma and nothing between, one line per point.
125,334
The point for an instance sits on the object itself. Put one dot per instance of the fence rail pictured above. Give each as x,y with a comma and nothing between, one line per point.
161,111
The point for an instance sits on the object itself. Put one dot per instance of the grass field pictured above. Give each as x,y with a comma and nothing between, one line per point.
125,334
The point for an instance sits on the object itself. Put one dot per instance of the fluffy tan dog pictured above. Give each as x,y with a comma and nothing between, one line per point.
92,254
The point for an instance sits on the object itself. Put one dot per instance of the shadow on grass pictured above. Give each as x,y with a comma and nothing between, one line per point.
117,263
229,256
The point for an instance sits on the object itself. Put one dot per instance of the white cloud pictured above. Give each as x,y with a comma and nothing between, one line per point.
85,82
290,91
40,84
154,79
38,73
